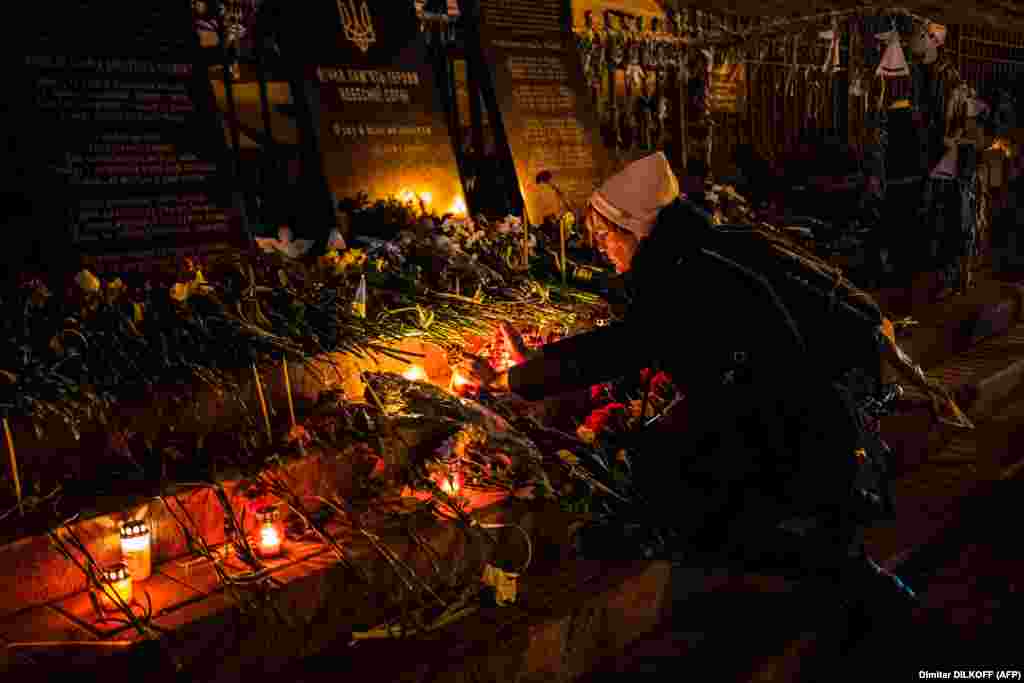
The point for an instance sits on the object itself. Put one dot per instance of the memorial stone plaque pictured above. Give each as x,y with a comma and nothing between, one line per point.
125,154
544,104
382,126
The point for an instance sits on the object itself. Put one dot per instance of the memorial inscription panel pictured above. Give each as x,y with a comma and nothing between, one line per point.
126,149
544,106
382,126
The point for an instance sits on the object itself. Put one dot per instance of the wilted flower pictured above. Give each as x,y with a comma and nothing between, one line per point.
39,294
89,283
586,434
444,245
299,435
510,224
114,290
568,458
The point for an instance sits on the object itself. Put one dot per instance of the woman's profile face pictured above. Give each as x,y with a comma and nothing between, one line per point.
618,245
620,248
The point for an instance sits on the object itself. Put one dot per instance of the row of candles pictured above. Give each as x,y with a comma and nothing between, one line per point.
458,207
136,563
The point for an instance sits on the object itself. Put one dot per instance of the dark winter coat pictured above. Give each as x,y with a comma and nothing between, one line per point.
763,420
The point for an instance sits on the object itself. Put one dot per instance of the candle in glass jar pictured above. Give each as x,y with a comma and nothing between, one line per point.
117,580
451,482
414,373
271,532
136,549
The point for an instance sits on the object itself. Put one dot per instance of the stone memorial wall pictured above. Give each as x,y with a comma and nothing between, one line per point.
126,155
545,106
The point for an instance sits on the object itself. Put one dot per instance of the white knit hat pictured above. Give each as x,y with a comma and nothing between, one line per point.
633,197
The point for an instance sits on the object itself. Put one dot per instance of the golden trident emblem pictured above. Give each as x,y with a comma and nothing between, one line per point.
358,25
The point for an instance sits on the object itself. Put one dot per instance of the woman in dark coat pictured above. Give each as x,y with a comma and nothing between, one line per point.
768,437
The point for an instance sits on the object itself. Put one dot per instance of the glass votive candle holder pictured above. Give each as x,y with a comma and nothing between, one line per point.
137,549
270,532
117,580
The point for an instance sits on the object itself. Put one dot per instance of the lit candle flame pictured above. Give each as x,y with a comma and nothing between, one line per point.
270,540
415,374
458,207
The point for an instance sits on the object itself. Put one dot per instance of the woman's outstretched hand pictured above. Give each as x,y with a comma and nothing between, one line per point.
517,347
477,371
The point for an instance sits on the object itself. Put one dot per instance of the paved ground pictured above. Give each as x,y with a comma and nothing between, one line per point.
973,597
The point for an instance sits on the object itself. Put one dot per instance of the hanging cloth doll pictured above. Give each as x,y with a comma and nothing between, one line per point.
894,62
926,41
956,115
831,64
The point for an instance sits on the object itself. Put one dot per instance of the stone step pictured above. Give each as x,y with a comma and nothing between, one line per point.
562,626
306,601
945,509
982,378
952,326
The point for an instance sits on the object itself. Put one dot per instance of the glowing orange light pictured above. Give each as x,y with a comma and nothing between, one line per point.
270,541
414,373
452,483
271,533
117,581
458,207
459,381
426,197
407,196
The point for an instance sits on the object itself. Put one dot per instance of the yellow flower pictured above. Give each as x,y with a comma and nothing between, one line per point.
329,258
89,283
183,290
39,295
353,258
568,458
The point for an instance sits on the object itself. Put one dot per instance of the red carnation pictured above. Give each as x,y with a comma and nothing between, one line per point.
599,420
661,384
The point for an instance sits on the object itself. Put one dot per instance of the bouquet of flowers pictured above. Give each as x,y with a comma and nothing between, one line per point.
618,408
